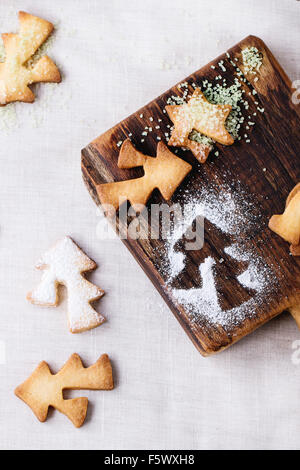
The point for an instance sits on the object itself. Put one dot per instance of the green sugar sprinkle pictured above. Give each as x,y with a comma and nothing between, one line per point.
200,138
219,93
233,95
252,59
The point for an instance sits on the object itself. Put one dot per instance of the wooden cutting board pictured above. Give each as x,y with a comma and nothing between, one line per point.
259,174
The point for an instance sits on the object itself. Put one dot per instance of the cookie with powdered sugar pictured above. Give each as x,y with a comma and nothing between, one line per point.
65,264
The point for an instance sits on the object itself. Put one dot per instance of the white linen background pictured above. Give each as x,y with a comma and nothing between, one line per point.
116,56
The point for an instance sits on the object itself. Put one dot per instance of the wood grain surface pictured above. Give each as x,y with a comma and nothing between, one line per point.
275,140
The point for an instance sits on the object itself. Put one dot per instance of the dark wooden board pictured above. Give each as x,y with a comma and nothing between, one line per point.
275,144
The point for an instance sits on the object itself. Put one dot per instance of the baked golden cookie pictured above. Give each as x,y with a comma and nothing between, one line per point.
15,74
164,172
199,150
64,264
200,115
43,389
287,225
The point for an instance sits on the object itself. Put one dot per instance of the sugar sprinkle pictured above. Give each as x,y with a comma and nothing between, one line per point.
234,214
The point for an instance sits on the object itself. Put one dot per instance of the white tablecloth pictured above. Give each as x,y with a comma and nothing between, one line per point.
115,56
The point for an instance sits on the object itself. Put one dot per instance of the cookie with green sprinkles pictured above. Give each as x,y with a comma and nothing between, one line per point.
198,144
200,115
252,60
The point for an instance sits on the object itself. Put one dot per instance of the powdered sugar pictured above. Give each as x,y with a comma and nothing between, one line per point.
256,276
63,264
235,214
177,259
220,208
205,297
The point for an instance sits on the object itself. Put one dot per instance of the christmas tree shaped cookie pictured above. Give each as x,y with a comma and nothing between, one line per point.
15,74
164,172
43,389
64,264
